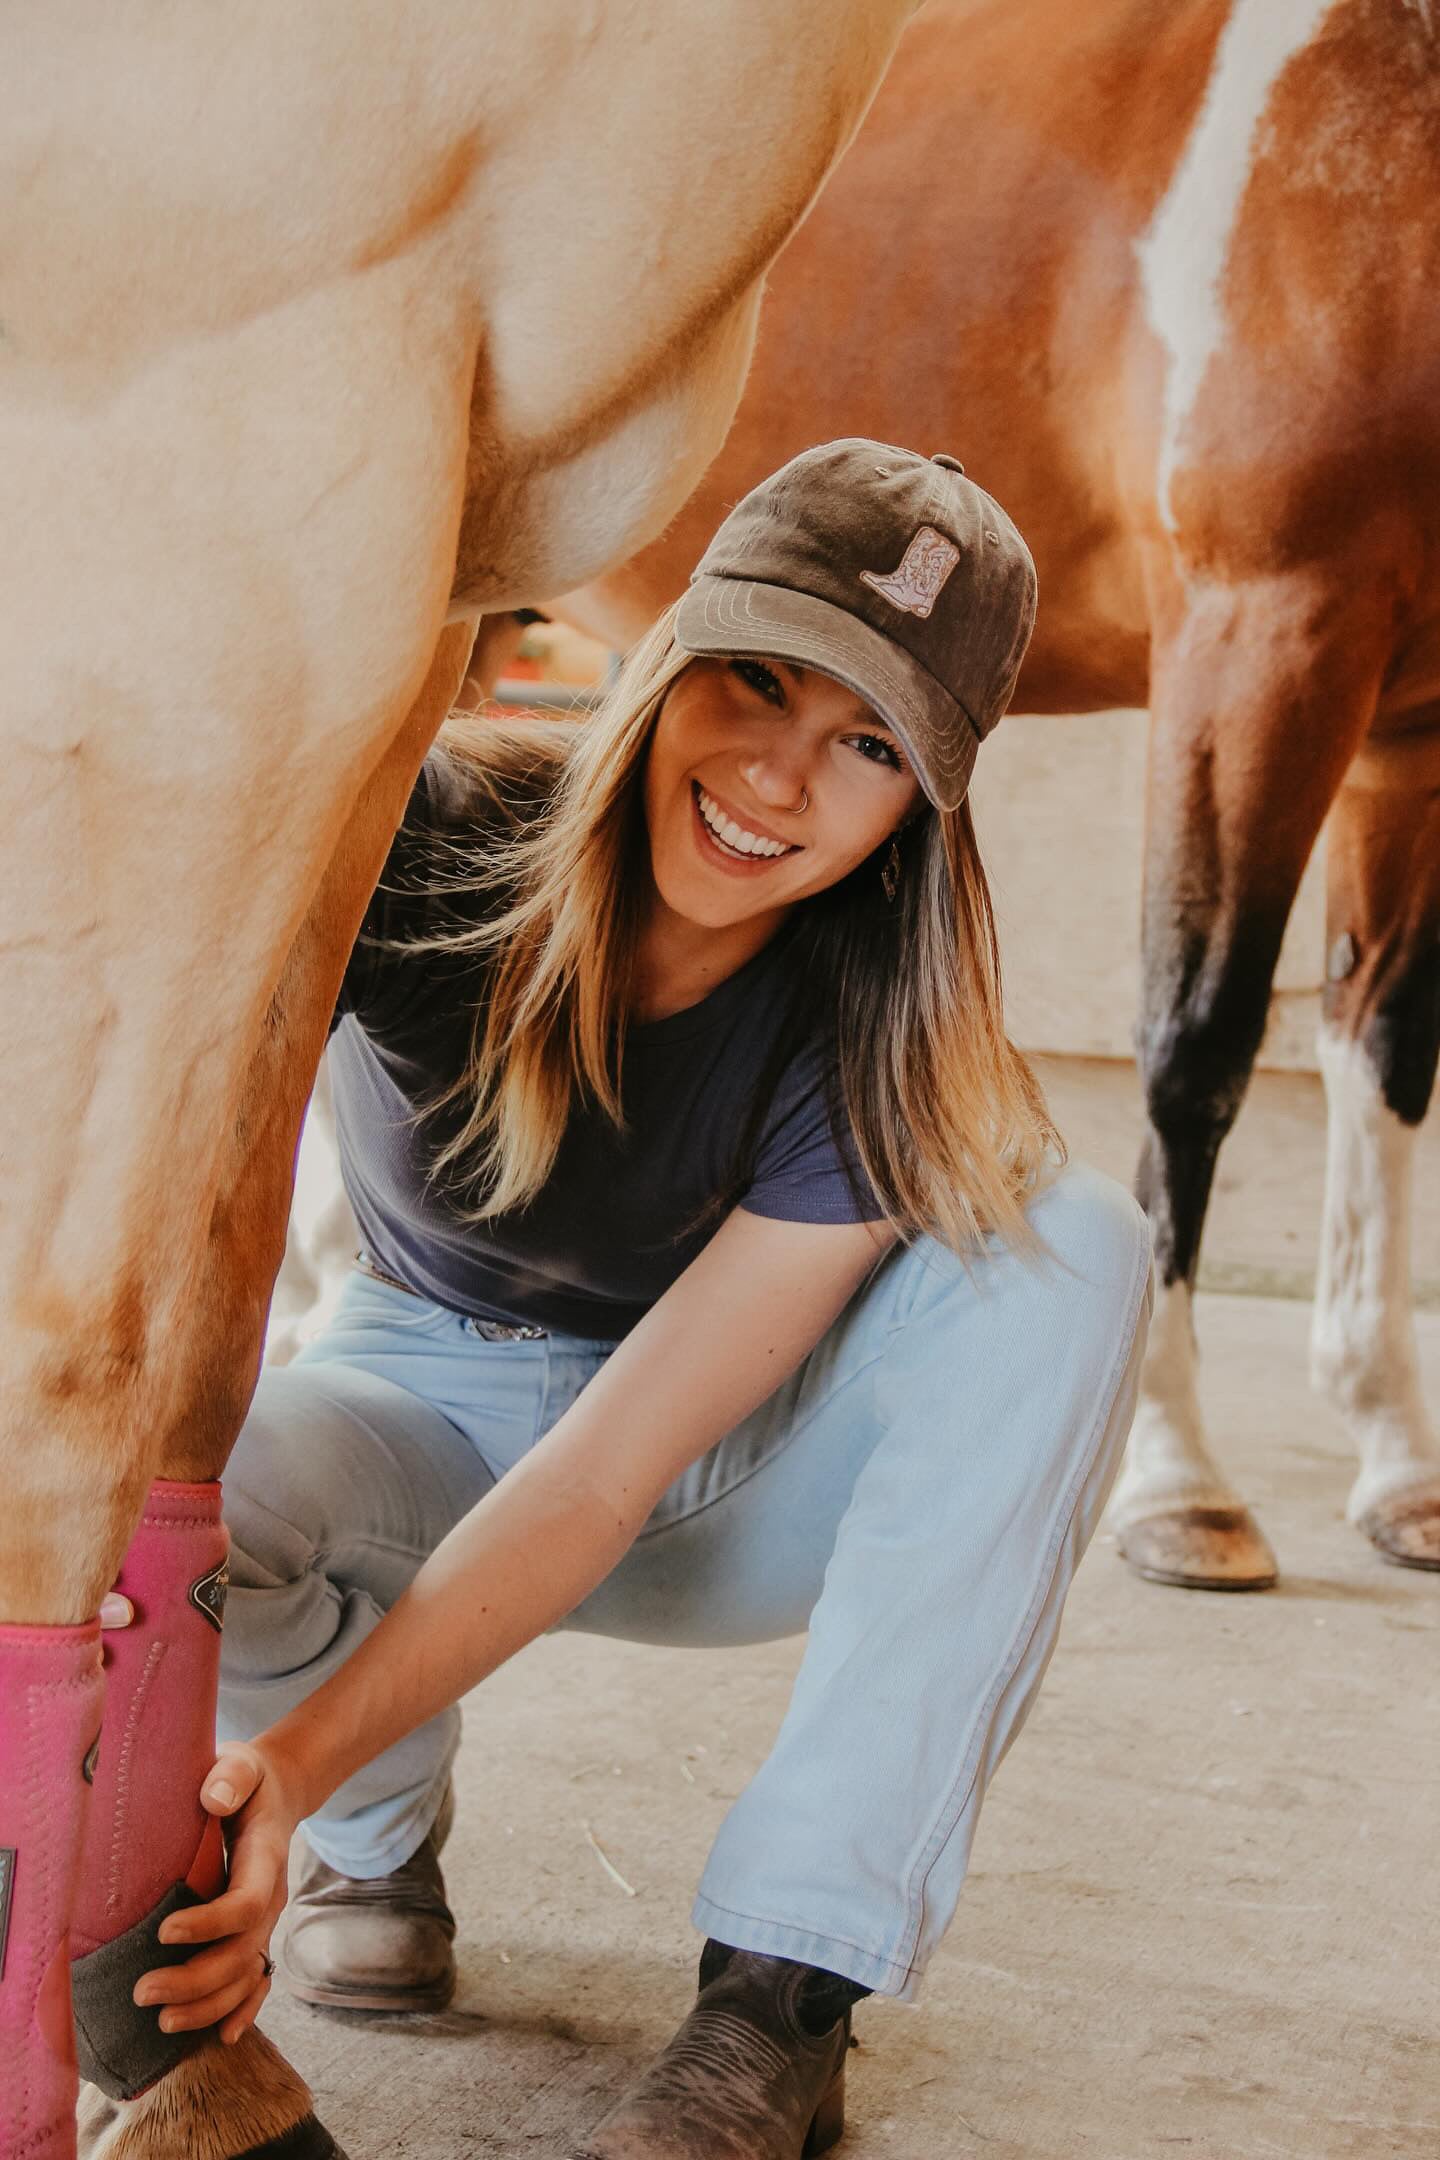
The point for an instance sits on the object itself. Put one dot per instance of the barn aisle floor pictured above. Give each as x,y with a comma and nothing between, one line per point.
1203,1914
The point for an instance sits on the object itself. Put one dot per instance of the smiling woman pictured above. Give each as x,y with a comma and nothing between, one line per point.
772,774
712,1228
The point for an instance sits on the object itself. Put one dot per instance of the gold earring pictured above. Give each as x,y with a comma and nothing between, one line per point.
890,871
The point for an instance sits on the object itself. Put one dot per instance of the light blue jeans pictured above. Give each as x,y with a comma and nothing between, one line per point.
918,1495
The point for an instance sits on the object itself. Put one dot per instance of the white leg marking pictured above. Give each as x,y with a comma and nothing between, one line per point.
1184,252
1362,1342
1167,1464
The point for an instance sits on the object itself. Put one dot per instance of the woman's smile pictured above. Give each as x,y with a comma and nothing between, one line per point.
732,840
771,776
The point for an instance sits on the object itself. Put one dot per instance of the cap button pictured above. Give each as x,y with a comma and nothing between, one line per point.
951,464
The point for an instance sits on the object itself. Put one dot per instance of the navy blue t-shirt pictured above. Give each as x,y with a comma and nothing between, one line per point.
623,1212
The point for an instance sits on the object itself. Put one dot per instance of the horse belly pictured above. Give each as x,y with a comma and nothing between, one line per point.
539,523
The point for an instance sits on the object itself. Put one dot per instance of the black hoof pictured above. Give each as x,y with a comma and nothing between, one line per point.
309,2140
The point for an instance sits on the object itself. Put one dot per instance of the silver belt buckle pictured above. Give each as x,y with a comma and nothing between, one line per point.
506,1331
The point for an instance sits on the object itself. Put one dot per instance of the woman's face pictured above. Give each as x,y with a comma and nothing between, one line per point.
737,749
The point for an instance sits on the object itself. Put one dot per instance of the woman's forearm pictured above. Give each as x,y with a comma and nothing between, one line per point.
523,1558
721,1340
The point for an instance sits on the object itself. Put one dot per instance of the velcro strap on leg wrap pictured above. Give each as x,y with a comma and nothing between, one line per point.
119,2044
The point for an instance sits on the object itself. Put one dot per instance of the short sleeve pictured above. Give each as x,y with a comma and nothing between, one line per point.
807,1168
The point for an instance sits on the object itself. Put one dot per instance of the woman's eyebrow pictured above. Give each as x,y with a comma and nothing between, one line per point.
865,717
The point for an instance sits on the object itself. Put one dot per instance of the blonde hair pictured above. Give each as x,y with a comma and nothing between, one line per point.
949,1122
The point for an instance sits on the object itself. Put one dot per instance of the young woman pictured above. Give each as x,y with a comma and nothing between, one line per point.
722,1278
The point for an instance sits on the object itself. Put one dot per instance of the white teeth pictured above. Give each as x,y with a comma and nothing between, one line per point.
733,836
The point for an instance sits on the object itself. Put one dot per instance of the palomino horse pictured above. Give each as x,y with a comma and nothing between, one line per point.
1166,273
308,356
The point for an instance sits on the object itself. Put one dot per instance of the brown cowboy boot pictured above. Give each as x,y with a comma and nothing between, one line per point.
756,2072
381,1945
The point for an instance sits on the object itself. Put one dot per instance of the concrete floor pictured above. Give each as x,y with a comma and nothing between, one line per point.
1203,1915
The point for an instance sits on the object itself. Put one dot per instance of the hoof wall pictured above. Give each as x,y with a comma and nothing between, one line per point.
1201,1548
309,2140
1405,1529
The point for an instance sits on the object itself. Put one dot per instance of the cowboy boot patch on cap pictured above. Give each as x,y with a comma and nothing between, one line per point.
916,583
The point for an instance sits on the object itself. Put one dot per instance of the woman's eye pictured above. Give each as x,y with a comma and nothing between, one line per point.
761,678
878,751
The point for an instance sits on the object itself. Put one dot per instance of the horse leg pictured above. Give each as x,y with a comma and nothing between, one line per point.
50,1702
150,1844
497,642
1378,1047
323,1233
203,675
1259,696
322,1236
150,1848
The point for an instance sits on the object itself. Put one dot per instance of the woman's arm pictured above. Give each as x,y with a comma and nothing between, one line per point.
736,1324
722,1339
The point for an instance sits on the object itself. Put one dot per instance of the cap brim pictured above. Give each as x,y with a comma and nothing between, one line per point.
731,616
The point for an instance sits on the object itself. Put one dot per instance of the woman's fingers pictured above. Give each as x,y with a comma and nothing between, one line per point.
258,1836
249,1904
190,2017
115,1611
240,2020
204,1975
237,1775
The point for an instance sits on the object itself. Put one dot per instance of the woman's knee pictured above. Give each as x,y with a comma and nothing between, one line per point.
1095,1231
1091,1250
329,1518
275,1483
1094,1298
1040,1335
342,1469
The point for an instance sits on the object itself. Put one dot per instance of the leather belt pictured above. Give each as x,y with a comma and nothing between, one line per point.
366,1266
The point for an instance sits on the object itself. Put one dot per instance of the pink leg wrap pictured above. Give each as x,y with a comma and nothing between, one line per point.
149,1843
50,1701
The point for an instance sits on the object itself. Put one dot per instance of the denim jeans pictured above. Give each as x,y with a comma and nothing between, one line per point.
918,1495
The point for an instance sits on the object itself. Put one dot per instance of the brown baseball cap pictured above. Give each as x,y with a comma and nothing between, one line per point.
892,573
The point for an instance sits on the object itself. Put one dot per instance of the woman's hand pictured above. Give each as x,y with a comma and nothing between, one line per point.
230,1982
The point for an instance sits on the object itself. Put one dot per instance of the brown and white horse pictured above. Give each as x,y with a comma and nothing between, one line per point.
322,330
1166,273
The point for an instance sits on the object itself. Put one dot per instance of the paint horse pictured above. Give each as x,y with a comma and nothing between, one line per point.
1166,273
305,362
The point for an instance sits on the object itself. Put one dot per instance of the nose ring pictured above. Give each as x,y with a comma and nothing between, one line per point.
804,802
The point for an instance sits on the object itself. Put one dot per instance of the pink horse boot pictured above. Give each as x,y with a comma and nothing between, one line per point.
150,1847
50,1701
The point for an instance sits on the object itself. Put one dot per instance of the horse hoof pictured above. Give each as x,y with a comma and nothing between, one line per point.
1405,1528
309,2140
1200,1548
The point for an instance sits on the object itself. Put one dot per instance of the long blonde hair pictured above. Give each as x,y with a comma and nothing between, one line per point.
949,1122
